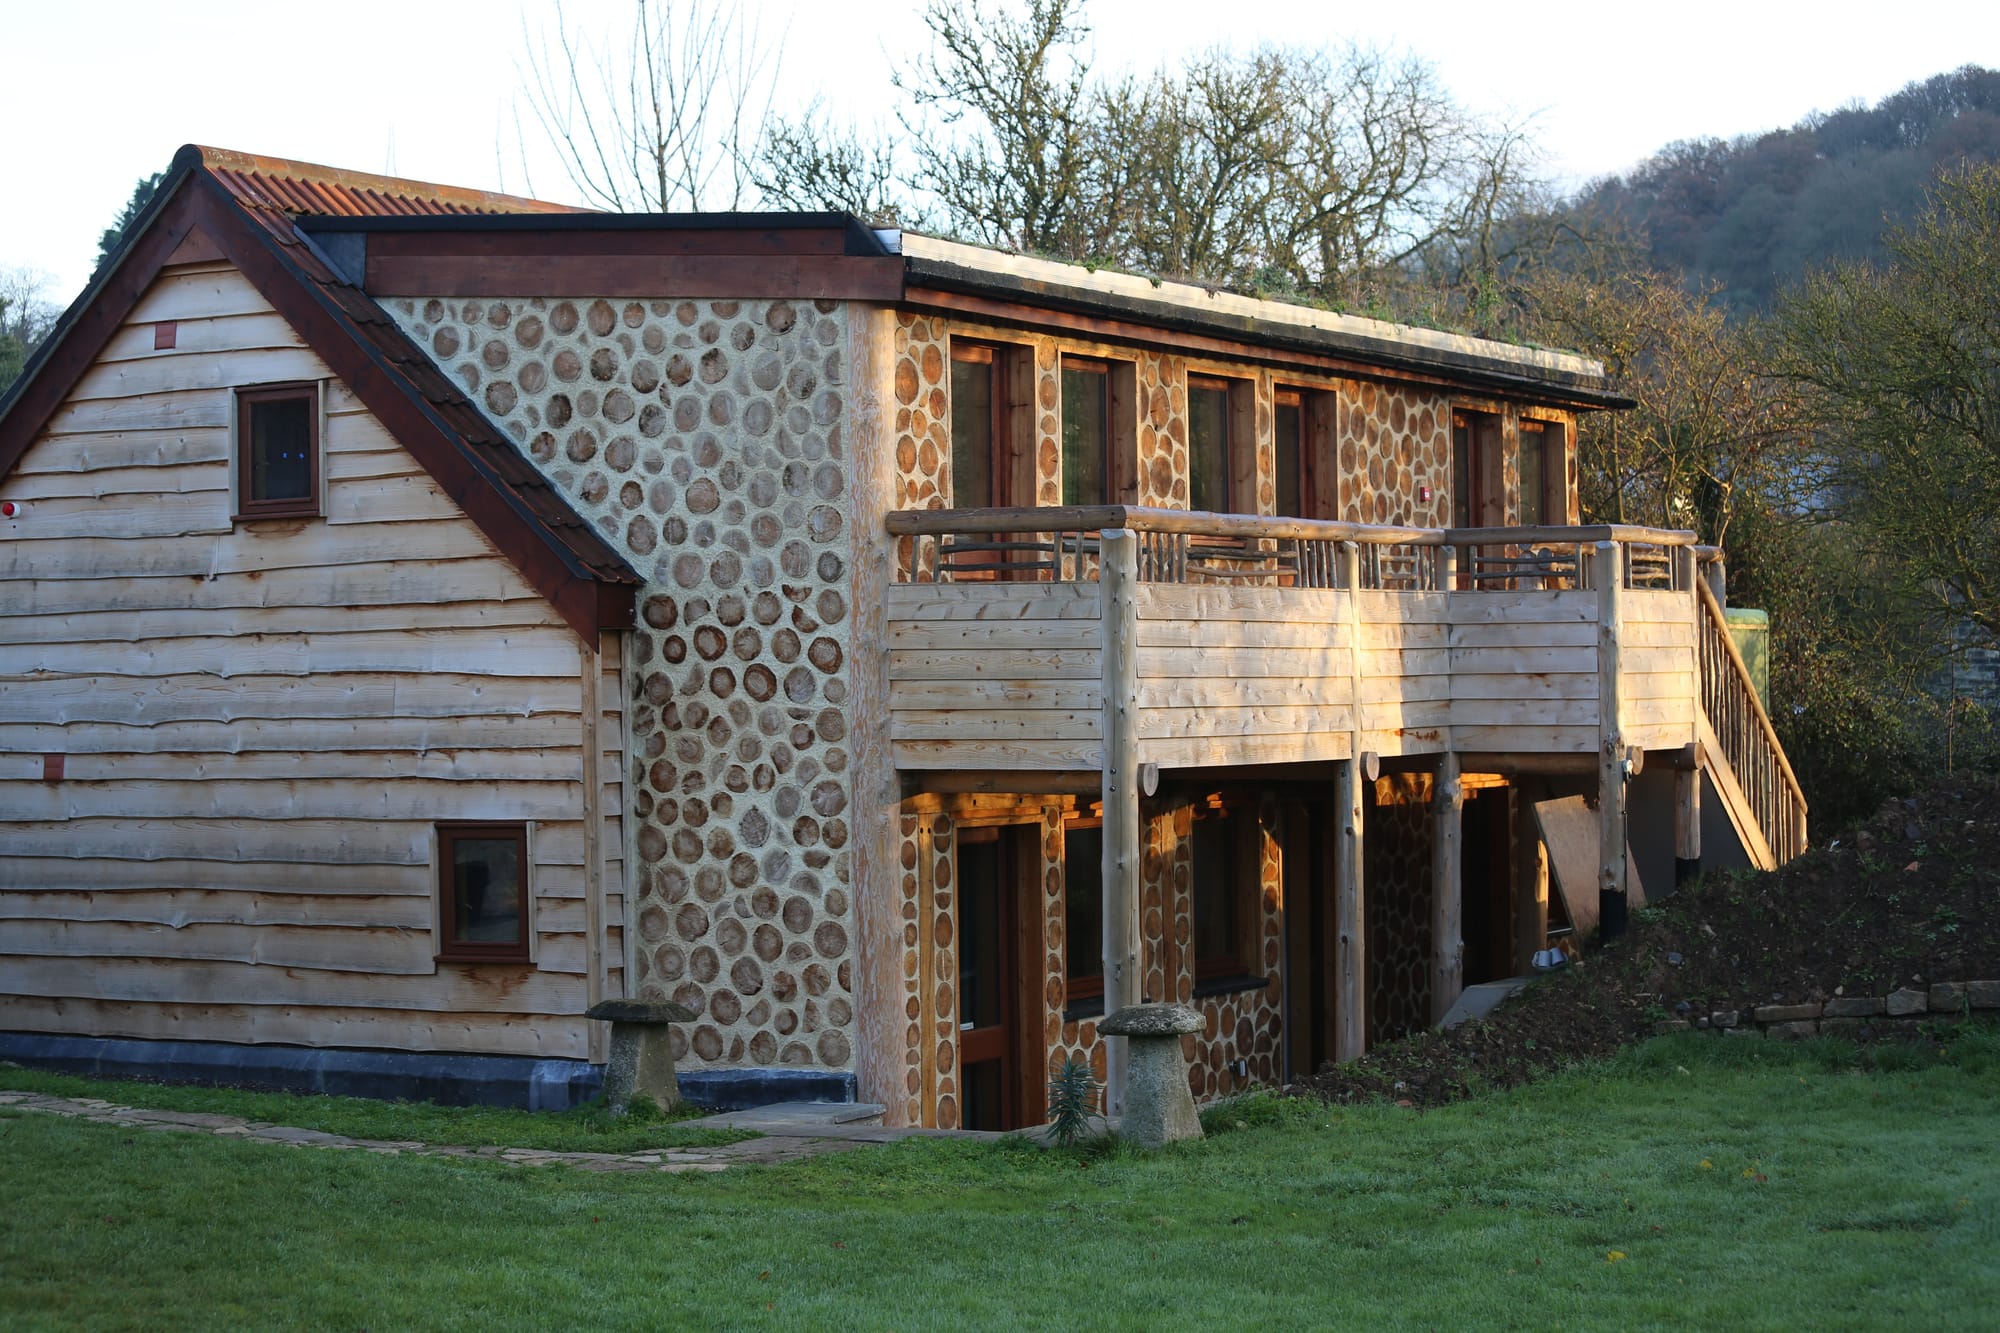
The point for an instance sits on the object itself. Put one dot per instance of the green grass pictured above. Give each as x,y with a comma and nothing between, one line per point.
586,1129
1767,1188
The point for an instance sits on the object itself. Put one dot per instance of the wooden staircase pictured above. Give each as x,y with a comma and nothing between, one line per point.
1744,760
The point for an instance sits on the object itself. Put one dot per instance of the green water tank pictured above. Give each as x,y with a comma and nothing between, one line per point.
1751,632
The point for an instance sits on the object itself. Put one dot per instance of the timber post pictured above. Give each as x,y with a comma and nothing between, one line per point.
1118,577
1608,571
1350,911
1447,891
1531,881
590,669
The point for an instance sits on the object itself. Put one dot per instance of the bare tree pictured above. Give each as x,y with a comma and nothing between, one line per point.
668,120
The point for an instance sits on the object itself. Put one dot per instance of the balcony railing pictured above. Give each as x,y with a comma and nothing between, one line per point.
1060,545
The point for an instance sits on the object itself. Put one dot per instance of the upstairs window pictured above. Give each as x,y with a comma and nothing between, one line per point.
1289,428
1544,473
277,452
1303,452
1086,432
1222,445
482,893
1477,500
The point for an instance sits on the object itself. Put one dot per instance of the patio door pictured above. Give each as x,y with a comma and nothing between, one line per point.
991,1035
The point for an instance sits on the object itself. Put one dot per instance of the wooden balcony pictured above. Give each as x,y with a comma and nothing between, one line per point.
1257,641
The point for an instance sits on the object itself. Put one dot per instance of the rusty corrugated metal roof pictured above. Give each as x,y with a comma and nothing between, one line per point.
307,188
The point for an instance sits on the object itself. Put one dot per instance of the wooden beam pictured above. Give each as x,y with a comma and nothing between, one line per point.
1607,570
1021,781
1540,765
1118,577
1447,890
1350,1036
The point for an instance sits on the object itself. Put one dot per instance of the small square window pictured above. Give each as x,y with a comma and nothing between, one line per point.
277,452
483,893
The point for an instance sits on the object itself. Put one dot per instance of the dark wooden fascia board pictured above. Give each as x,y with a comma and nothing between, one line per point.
1161,326
701,277
570,587
88,325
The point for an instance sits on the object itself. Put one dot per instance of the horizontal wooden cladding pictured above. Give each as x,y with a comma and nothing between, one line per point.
352,699
546,1036
994,601
1001,753
744,277
487,988
321,851
510,652
176,908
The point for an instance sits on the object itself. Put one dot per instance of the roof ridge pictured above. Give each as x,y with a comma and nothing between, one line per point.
296,187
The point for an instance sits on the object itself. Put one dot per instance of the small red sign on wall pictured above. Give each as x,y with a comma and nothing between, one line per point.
52,768
164,334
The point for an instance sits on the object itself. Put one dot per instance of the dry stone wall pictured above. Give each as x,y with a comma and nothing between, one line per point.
704,439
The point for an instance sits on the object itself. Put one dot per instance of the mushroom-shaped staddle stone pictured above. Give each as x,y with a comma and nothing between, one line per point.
642,1055
1159,1109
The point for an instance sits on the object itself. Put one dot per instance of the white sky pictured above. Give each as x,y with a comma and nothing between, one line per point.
97,93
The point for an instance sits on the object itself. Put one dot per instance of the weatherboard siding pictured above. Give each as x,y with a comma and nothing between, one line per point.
260,723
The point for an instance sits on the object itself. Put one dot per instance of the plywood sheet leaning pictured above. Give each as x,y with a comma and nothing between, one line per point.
1569,830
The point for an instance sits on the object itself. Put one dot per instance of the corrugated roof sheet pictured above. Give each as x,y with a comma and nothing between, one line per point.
308,188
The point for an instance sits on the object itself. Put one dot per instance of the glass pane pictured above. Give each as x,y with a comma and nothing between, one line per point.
1214,890
1291,450
1532,439
1083,902
979,934
981,1105
486,890
972,434
1461,472
280,445
1208,448
1085,426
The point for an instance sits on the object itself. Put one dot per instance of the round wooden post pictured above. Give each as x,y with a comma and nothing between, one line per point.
1447,895
1608,570
1118,577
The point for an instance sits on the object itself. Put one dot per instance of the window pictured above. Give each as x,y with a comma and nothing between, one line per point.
1083,911
1086,432
1290,449
1222,445
1304,454
992,424
1476,499
483,892
1544,473
1222,895
277,451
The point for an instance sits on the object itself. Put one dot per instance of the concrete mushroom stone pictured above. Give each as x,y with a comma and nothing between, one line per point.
1159,1109
642,1056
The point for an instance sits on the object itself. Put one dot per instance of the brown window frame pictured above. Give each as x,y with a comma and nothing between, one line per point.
1239,829
451,950
1483,495
1239,440
307,506
1101,370
1318,475
1555,469
1079,989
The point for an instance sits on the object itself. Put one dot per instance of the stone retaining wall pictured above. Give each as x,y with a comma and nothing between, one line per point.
1899,1013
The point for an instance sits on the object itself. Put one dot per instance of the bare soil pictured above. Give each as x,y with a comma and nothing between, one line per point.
1910,897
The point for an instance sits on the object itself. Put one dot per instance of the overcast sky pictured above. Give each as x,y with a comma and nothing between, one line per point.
97,93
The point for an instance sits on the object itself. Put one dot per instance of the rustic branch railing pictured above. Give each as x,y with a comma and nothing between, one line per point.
1743,728
1180,546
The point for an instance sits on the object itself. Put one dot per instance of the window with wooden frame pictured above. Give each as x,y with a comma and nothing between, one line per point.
992,426
1083,912
1305,454
1086,432
1477,498
483,893
277,451
1224,894
1222,445
1544,473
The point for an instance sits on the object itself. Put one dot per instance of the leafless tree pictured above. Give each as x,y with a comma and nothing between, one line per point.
669,119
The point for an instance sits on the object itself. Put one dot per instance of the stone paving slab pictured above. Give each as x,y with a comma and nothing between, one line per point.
807,1137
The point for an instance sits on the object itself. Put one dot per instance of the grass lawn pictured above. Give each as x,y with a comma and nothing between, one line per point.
1694,1183
586,1129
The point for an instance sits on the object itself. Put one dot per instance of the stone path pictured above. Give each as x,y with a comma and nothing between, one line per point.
790,1133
